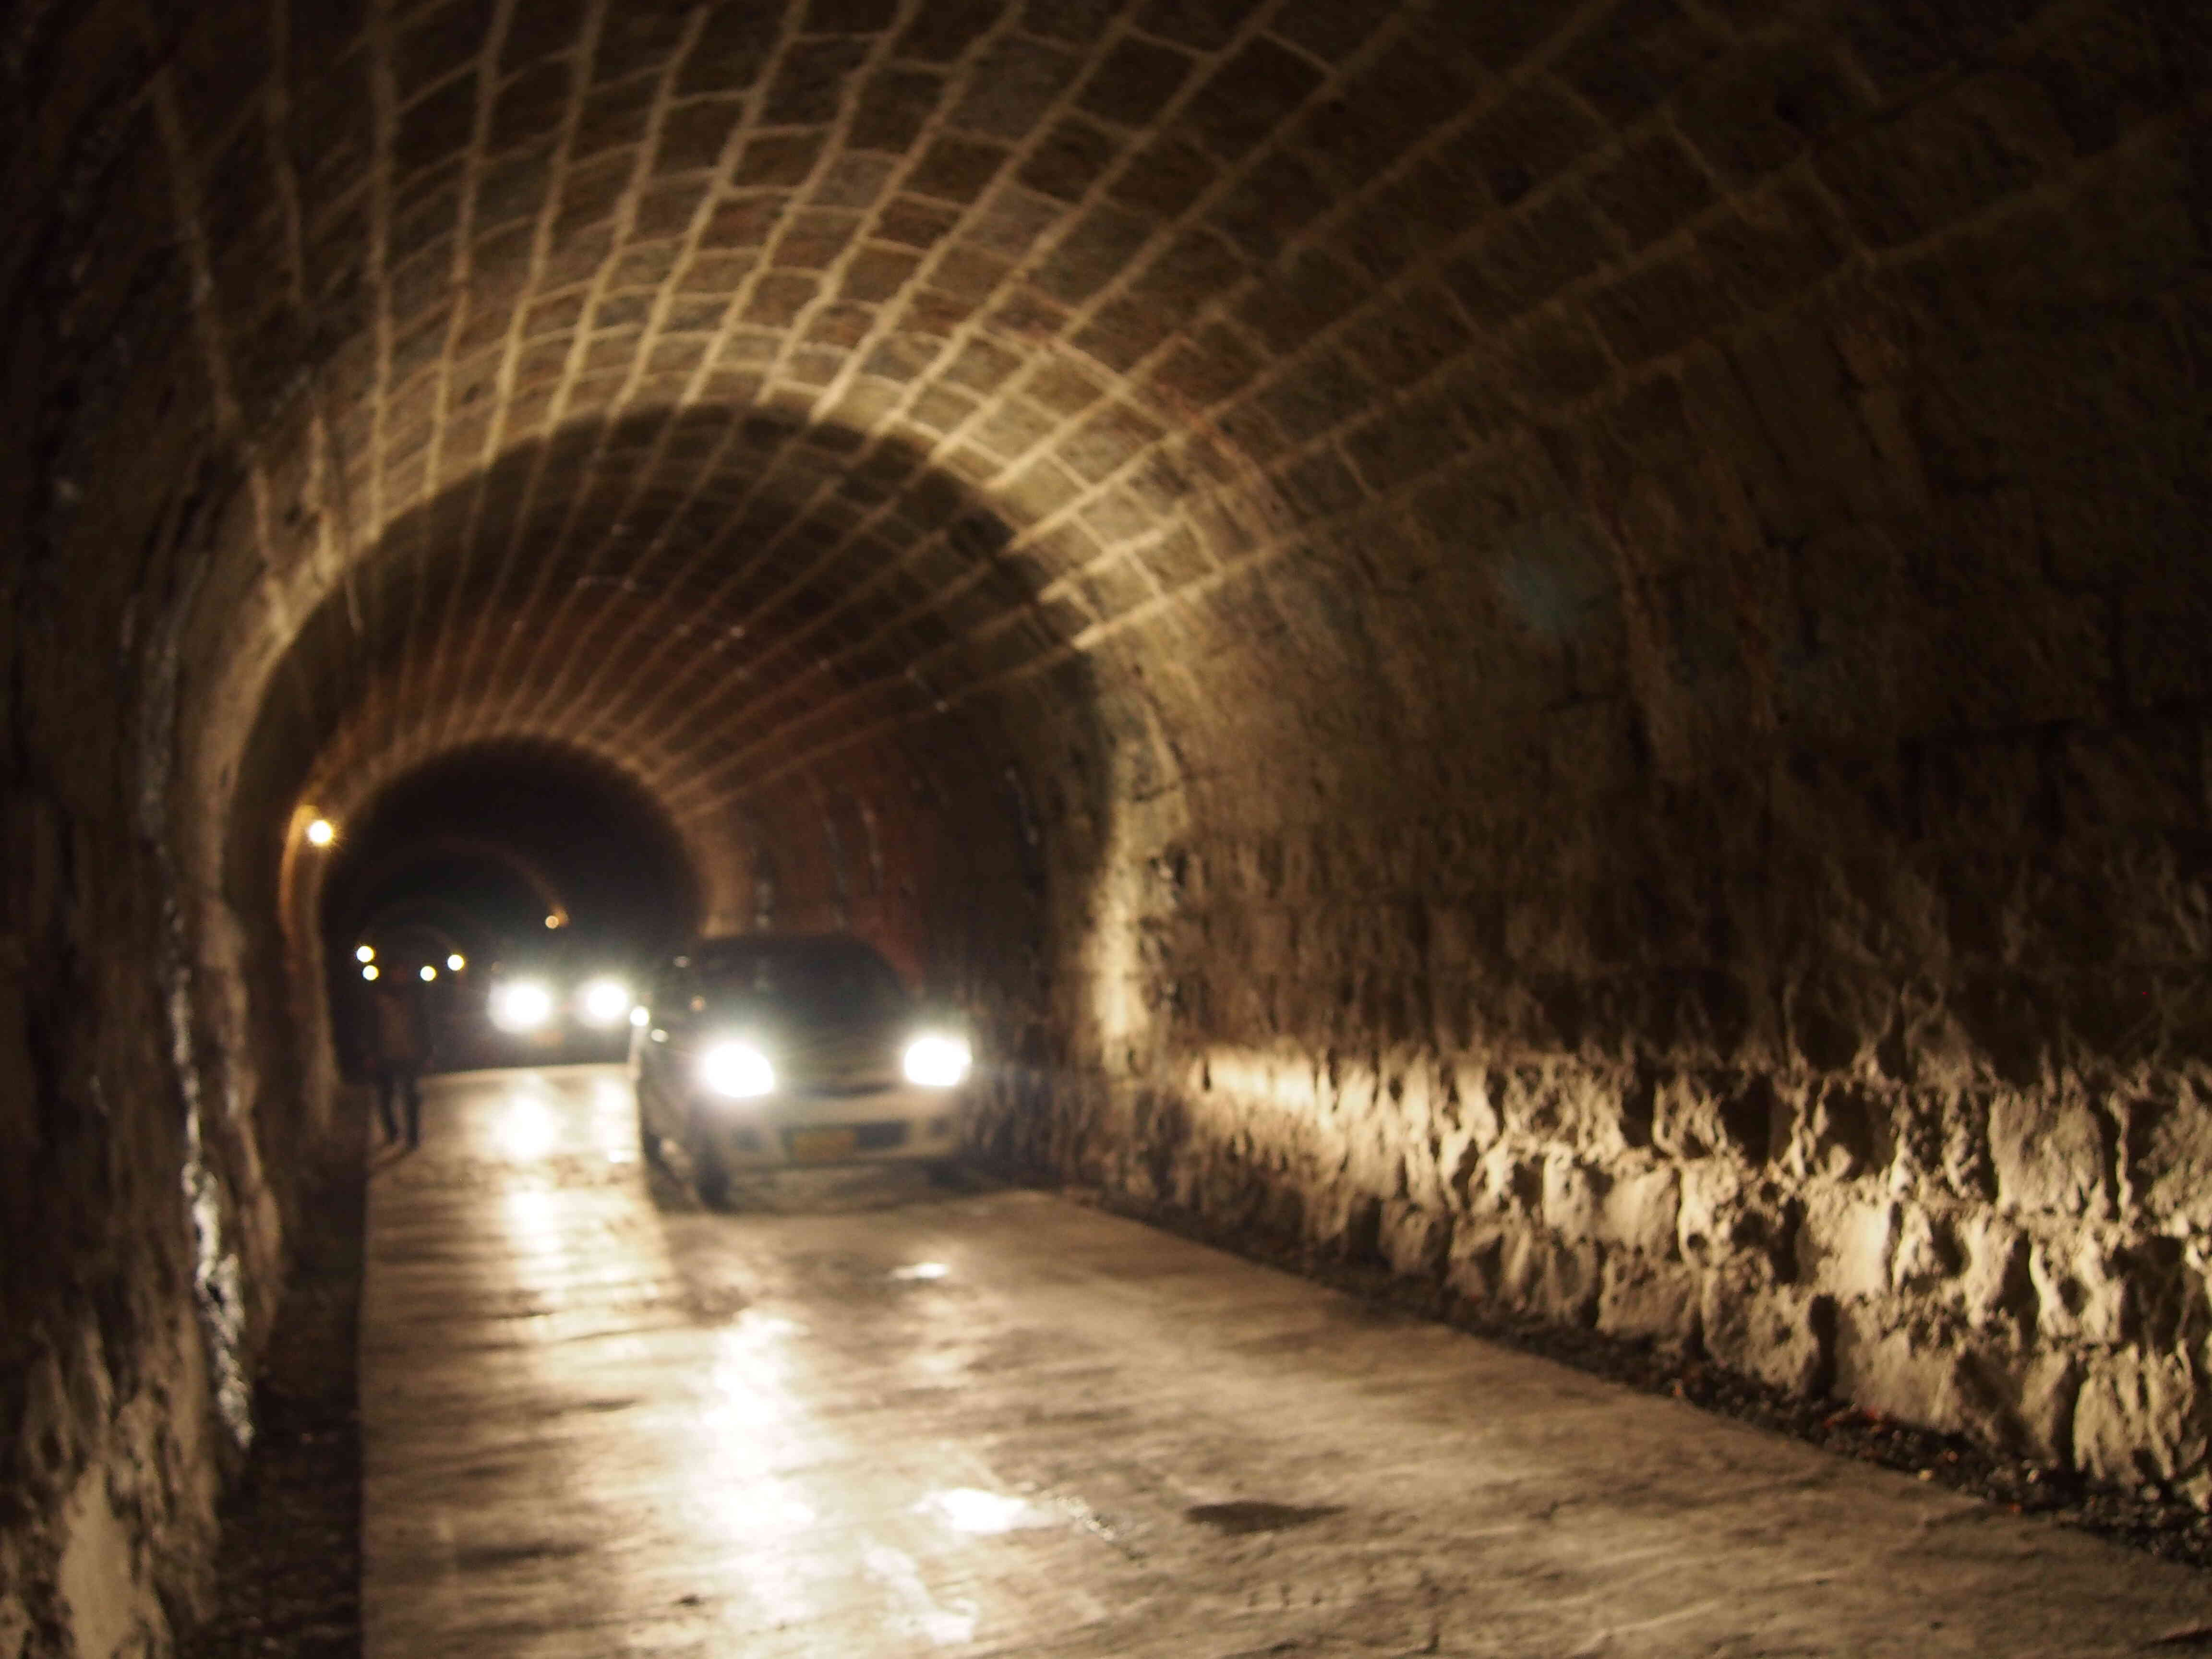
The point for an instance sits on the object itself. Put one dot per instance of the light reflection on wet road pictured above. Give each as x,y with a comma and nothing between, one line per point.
908,1422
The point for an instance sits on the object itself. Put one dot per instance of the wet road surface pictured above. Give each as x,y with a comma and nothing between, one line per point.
896,1420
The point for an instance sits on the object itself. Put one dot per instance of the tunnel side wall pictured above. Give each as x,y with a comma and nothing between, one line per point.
142,1225
1739,877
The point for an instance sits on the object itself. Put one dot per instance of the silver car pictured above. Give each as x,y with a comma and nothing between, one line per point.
764,1051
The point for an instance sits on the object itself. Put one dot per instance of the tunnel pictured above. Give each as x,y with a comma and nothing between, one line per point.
1557,653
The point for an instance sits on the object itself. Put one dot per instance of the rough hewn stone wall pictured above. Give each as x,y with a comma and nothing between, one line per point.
1720,852
1588,621
139,1234
1808,1072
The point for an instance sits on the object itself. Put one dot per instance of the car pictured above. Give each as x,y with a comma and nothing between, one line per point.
762,1052
552,1006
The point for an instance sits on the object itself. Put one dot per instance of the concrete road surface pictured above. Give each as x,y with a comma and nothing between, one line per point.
892,1420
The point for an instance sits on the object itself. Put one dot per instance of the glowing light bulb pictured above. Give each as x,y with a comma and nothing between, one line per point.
364,953
322,832
455,963
369,972
428,973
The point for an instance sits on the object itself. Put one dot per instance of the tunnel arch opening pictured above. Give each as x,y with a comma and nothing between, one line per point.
826,758
469,857
571,835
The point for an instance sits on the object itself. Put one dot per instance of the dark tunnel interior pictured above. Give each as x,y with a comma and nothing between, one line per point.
485,844
476,863
1564,652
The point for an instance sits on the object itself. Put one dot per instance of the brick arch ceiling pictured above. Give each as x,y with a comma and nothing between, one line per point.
1121,272
747,595
917,335
1353,387
580,288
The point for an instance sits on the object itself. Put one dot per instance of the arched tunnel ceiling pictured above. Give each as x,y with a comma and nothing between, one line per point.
885,350
715,386
1290,404
928,342
708,596
652,330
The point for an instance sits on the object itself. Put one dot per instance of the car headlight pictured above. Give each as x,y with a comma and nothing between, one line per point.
522,1006
937,1062
737,1071
605,1001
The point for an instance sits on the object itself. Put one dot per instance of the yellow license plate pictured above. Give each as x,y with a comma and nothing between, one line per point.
819,1144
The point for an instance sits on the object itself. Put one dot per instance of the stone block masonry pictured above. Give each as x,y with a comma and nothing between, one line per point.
1900,1139
1564,643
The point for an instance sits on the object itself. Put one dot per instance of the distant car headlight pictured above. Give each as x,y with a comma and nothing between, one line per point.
737,1071
937,1062
524,1006
605,1001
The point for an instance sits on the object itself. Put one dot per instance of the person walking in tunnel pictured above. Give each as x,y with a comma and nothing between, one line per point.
398,1049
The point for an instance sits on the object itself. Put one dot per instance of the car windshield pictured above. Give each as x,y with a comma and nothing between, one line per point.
825,980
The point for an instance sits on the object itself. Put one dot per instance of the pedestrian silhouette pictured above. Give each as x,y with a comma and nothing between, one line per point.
396,1029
